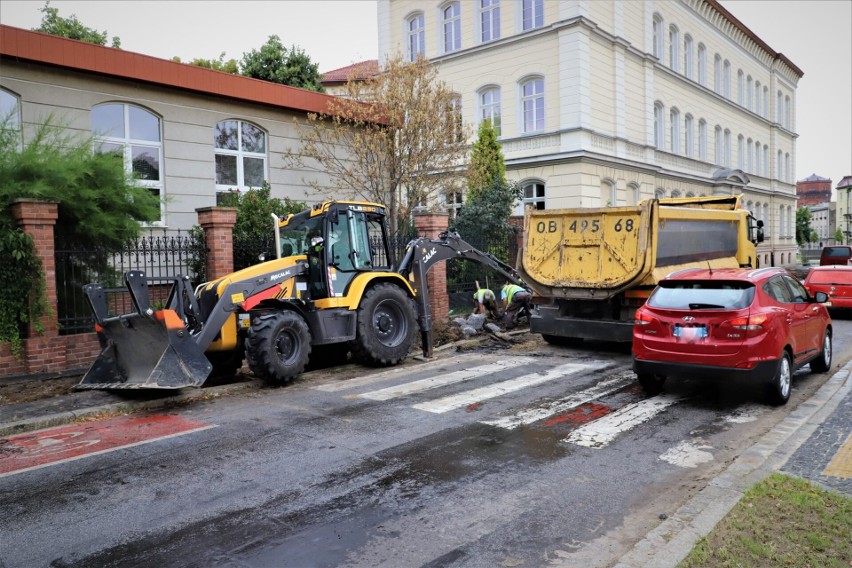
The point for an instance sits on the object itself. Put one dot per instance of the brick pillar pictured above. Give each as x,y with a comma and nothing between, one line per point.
218,224
431,225
42,351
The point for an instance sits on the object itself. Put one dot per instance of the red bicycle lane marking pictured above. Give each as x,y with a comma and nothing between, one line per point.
33,450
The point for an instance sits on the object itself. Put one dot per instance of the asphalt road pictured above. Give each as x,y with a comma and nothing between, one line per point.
530,456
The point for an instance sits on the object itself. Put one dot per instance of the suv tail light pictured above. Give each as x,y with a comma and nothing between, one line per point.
752,324
643,318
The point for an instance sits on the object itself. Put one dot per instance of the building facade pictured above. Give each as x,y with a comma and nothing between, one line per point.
185,132
608,102
844,208
823,221
813,190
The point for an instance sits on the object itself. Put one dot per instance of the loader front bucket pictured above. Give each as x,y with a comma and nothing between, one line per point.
146,352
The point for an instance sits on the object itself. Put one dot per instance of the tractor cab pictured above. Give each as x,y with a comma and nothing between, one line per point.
340,240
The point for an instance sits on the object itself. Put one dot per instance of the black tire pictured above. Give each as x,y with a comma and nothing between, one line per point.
782,383
652,384
387,326
562,341
822,363
278,346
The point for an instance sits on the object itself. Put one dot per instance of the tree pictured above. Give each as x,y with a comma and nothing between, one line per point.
52,23
395,138
838,236
275,63
803,225
486,212
486,160
229,66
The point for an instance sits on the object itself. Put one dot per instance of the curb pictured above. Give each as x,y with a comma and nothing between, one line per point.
673,539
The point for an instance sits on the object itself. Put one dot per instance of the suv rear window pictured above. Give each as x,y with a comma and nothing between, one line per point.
837,251
702,294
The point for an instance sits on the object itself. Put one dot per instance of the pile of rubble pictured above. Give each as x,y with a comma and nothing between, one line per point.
475,324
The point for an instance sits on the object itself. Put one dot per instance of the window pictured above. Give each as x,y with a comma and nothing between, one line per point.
534,195
788,119
10,115
757,96
532,101
489,107
658,36
727,148
674,119
787,175
133,133
689,128
532,14
702,140
453,202
674,48
659,193
454,115
779,165
452,27
240,149
757,160
489,20
765,102
779,108
750,149
749,93
659,126
416,37
741,152
609,194
688,61
717,74
702,64
766,160
726,69
740,88
717,142
634,194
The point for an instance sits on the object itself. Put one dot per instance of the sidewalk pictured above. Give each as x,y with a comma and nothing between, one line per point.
813,442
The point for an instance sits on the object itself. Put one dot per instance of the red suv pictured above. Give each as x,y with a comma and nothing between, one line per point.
733,324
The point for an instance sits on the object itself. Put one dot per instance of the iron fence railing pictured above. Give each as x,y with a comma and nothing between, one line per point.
162,255
462,275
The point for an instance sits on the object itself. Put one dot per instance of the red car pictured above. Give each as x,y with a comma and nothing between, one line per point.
836,281
733,324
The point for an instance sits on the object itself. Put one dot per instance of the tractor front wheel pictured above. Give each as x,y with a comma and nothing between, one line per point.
387,326
278,346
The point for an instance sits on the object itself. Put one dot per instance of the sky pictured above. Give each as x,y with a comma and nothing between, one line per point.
813,34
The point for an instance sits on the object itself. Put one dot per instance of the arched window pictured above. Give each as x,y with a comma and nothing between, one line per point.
718,145
727,148
717,74
688,58
659,126
779,166
674,118
702,65
757,159
749,93
240,149
634,193
689,129
765,102
451,22
779,108
787,175
675,193
757,96
788,116
658,36
10,115
534,195
489,20
726,69
702,140
750,150
690,194
791,222
133,133
532,105
416,37
741,152
782,222
489,107
674,48
758,212
766,160
609,195
766,219
659,193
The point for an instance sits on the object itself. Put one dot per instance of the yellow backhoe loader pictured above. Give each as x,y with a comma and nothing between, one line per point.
332,289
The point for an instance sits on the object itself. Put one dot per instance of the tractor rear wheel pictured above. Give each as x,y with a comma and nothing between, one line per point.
387,326
278,346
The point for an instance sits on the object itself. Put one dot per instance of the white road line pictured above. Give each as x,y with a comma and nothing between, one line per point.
565,404
688,454
391,374
601,432
448,403
448,379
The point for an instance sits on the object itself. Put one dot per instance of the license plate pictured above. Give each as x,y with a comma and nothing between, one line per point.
691,332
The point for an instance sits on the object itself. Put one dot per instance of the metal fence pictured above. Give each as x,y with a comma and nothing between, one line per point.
462,275
160,254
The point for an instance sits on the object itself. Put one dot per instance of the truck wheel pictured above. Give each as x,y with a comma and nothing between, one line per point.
562,341
387,325
652,384
278,346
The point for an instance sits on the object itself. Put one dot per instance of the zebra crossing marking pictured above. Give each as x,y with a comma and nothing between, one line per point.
600,433
565,404
443,380
372,378
441,405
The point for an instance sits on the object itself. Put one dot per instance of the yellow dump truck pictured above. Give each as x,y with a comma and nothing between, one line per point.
591,268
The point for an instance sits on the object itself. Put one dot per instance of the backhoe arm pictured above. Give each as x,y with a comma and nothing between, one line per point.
423,253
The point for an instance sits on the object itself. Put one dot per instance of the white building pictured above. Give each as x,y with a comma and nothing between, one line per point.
608,102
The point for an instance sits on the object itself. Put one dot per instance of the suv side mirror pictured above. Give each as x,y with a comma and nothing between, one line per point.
821,297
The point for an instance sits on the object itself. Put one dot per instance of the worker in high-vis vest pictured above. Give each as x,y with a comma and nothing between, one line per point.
485,302
514,299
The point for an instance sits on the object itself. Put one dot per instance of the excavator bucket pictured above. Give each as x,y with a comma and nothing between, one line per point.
144,349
